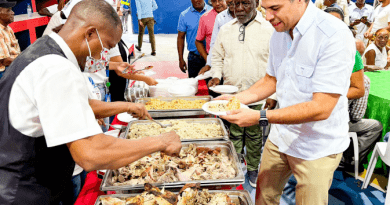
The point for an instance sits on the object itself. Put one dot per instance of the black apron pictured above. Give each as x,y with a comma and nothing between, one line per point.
30,172
118,84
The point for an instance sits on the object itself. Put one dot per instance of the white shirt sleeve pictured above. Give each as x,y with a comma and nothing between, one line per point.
56,96
114,52
336,62
213,38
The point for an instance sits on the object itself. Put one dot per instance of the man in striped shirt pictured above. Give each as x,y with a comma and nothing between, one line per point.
9,46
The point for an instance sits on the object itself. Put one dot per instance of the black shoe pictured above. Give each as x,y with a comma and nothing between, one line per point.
252,178
138,48
153,53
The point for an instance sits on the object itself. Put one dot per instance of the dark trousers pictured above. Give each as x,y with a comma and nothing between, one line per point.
195,63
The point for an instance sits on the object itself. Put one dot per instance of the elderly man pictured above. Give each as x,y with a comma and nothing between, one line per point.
310,129
381,19
221,19
45,131
240,57
9,46
361,16
206,26
188,28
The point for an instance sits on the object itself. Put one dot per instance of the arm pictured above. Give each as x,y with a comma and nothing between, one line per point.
180,50
201,49
368,34
356,89
370,57
106,152
103,109
45,12
154,5
139,9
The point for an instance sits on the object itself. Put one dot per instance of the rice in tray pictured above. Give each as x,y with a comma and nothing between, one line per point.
183,129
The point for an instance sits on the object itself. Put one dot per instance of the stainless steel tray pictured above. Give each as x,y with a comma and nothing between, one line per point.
233,194
188,120
228,145
177,112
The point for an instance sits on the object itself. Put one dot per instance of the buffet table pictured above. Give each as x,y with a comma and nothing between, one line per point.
91,188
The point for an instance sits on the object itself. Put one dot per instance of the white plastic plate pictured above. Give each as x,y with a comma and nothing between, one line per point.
205,107
204,76
125,117
224,89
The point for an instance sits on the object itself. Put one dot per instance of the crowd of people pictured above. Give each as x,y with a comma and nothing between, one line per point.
299,66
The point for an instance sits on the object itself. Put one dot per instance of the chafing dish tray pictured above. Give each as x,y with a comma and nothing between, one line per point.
217,121
226,146
233,194
176,112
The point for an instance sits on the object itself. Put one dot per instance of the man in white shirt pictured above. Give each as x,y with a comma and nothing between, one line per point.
361,16
381,18
48,124
309,67
240,56
221,19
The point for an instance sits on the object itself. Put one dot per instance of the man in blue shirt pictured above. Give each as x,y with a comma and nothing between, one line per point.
188,27
145,10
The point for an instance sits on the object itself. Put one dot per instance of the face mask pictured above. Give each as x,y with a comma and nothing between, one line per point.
92,65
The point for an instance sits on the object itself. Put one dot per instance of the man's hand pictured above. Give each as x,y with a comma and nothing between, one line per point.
270,104
172,142
150,81
121,66
224,97
6,61
141,24
356,22
368,35
183,65
138,110
213,82
204,69
101,122
242,117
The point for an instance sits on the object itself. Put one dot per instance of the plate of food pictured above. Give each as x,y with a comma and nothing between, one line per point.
220,107
224,89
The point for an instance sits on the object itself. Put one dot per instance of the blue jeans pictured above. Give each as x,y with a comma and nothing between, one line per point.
78,183
195,63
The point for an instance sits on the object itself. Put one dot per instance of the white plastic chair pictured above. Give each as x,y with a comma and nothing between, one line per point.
355,143
381,149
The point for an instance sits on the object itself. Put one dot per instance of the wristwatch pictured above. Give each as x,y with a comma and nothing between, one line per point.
263,121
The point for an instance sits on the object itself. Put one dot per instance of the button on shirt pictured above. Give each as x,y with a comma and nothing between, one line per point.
319,59
9,46
356,14
188,23
221,19
145,8
50,97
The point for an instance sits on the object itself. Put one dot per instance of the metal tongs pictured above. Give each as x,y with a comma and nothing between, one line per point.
162,126
139,57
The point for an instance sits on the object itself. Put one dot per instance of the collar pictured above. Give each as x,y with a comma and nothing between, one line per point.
259,18
65,48
355,7
307,19
204,8
3,27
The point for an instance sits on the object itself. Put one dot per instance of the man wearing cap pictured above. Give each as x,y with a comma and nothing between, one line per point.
9,46
47,123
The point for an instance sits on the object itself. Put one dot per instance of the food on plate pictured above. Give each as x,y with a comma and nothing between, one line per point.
157,104
190,194
193,163
232,104
183,129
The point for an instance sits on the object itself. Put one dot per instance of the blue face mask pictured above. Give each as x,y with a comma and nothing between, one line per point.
93,65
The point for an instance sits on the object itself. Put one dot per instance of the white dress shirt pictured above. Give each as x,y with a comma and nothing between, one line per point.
355,14
50,97
55,21
381,18
221,19
319,59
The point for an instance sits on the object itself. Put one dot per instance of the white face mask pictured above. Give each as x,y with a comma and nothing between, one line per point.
92,65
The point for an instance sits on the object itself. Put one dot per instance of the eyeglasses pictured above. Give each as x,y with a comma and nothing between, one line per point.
241,37
244,4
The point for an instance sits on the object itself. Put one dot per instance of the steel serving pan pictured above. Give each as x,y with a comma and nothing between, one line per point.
233,194
107,185
176,112
188,120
